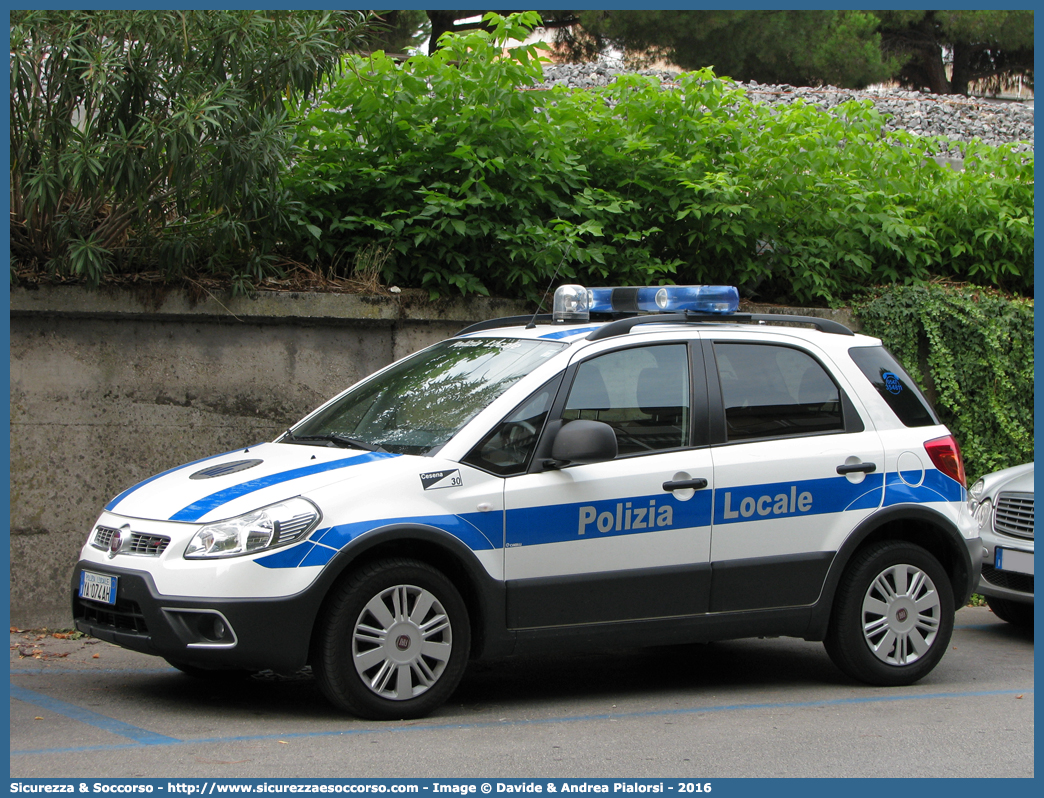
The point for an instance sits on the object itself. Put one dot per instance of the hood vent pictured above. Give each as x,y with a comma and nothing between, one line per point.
223,469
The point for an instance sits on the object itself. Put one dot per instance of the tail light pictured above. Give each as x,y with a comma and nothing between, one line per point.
946,455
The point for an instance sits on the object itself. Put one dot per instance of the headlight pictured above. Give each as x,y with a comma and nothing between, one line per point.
276,525
974,494
982,513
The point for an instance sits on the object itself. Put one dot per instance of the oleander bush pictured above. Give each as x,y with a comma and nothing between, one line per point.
157,140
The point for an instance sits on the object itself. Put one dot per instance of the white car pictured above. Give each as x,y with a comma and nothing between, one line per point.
642,466
1002,503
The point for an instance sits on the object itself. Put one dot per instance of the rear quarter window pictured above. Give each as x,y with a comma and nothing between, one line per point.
894,385
770,390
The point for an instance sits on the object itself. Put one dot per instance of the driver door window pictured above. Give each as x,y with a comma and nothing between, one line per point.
508,448
642,393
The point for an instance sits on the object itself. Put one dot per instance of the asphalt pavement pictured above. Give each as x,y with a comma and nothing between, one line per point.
746,708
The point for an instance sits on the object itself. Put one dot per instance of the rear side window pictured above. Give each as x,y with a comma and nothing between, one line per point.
772,391
894,385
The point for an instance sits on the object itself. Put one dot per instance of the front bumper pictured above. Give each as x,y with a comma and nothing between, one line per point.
254,634
1010,585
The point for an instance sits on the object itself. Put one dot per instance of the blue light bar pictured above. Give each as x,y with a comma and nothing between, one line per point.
575,303
666,299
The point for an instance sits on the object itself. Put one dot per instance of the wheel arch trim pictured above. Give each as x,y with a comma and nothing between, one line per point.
922,525
482,593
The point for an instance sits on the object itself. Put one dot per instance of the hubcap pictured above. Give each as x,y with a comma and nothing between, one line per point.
901,614
402,642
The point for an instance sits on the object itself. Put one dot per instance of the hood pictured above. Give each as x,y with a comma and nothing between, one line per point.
1019,479
229,484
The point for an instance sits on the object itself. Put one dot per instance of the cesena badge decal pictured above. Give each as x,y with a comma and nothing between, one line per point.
441,479
892,383
225,469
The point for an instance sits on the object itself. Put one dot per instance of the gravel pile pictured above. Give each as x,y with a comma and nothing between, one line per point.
957,118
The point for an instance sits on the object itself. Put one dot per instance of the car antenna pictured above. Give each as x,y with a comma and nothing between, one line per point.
532,321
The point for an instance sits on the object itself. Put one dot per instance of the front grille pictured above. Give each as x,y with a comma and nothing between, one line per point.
139,543
151,545
1010,580
124,616
1014,515
103,537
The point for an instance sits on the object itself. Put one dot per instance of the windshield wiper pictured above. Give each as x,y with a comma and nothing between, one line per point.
339,440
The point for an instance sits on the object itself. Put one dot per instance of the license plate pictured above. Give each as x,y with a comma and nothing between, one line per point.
1021,562
98,587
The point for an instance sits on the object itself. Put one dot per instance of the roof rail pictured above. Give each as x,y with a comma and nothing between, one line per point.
823,325
624,326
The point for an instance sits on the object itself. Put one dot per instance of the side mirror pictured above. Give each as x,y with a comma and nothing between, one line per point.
583,441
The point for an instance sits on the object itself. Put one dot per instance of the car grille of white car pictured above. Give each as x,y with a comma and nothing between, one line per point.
1014,515
1021,583
148,545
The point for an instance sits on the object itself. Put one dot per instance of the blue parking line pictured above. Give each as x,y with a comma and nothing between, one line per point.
435,727
118,727
75,672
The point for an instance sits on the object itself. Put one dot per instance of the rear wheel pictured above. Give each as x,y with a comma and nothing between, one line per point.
1014,612
393,641
893,615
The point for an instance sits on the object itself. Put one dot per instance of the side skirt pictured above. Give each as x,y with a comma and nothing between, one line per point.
665,631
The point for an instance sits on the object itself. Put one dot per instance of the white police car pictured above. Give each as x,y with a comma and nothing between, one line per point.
602,476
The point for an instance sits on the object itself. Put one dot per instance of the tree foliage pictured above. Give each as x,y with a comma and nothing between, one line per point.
473,184
972,351
841,48
157,137
805,48
445,21
981,45
399,31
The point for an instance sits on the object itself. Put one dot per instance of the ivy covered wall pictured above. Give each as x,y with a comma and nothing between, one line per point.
971,350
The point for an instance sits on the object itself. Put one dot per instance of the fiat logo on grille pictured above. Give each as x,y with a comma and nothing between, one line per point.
114,543
901,615
402,642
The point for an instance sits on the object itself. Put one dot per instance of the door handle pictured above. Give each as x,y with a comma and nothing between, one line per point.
857,468
686,484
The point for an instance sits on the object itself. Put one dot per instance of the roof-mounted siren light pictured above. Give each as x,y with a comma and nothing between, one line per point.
576,303
697,299
572,303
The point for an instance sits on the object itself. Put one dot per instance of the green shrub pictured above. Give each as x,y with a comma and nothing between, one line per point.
972,350
478,185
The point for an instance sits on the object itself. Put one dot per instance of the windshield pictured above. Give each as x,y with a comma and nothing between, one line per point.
423,401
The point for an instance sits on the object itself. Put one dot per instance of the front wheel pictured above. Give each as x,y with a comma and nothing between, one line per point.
893,615
393,641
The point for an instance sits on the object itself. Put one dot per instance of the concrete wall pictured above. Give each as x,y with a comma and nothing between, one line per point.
109,388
